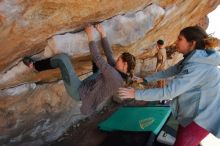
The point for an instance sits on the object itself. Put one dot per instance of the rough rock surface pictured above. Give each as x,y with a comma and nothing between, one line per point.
34,107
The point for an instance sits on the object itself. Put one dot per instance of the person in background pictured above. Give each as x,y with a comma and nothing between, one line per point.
194,90
161,61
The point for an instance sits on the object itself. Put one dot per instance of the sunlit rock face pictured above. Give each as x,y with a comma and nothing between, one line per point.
34,107
26,25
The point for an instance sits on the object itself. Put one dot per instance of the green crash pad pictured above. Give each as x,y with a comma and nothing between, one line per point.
137,119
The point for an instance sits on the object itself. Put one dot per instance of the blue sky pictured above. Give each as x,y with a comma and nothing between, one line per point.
214,23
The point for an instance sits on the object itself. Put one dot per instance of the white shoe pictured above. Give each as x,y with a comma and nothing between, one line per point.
166,138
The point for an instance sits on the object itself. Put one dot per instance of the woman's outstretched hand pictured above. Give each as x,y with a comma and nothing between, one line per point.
101,30
126,93
89,31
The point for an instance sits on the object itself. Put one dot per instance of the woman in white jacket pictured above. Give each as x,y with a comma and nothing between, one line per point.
194,91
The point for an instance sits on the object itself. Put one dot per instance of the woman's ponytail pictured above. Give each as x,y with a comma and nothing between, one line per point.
211,42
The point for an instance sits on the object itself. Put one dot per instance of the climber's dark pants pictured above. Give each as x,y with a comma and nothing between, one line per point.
95,69
70,78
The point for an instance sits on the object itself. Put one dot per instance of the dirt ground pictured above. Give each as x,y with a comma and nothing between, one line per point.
86,133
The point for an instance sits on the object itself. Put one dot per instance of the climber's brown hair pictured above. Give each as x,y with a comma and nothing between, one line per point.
131,61
202,39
